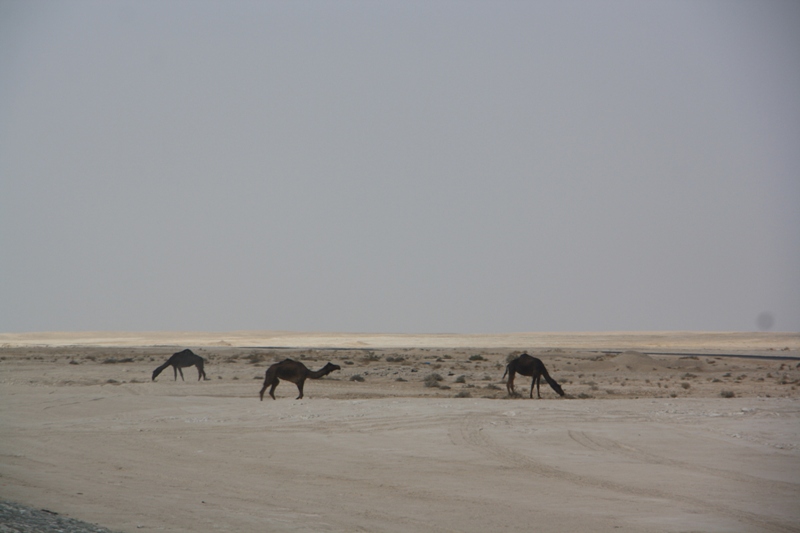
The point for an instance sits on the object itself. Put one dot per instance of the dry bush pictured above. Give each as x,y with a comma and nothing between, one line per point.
432,380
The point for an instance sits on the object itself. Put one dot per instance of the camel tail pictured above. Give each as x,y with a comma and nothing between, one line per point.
505,373
550,381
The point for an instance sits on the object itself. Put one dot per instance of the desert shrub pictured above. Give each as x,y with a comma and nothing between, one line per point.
476,357
255,358
111,360
492,386
686,385
432,380
464,394
727,394
397,359
357,377
461,379
584,396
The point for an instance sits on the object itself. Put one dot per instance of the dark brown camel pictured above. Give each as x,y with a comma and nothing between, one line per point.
293,371
529,366
182,360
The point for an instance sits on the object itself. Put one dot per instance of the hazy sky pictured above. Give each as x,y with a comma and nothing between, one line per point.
412,167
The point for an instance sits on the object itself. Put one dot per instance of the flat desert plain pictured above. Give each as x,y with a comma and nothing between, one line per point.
657,432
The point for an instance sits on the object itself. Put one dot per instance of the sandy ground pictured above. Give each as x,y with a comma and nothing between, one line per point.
643,441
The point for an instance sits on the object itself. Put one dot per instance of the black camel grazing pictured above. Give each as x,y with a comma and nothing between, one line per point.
293,371
529,366
182,360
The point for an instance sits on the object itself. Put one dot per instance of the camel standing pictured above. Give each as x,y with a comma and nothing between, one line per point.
530,366
181,360
293,371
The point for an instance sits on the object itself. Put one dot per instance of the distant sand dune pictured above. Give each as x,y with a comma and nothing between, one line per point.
642,341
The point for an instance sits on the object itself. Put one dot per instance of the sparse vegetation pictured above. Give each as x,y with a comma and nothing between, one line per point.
727,394
255,358
432,380
371,357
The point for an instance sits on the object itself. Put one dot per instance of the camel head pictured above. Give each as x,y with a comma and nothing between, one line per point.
330,367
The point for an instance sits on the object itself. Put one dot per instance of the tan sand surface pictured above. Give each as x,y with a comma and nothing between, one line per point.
643,441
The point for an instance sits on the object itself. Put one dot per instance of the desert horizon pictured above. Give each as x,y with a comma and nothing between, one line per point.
380,182
301,339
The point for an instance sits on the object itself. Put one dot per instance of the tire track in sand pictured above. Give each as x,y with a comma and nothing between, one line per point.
472,432
602,444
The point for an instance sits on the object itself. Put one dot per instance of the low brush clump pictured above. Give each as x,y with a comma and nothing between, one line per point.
432,380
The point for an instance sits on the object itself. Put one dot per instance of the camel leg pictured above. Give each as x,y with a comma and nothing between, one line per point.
537,380
181,371
510,384
175,372
200,372
300,388
266,384
272,389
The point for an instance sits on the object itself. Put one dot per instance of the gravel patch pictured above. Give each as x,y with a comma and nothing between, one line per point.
16,518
